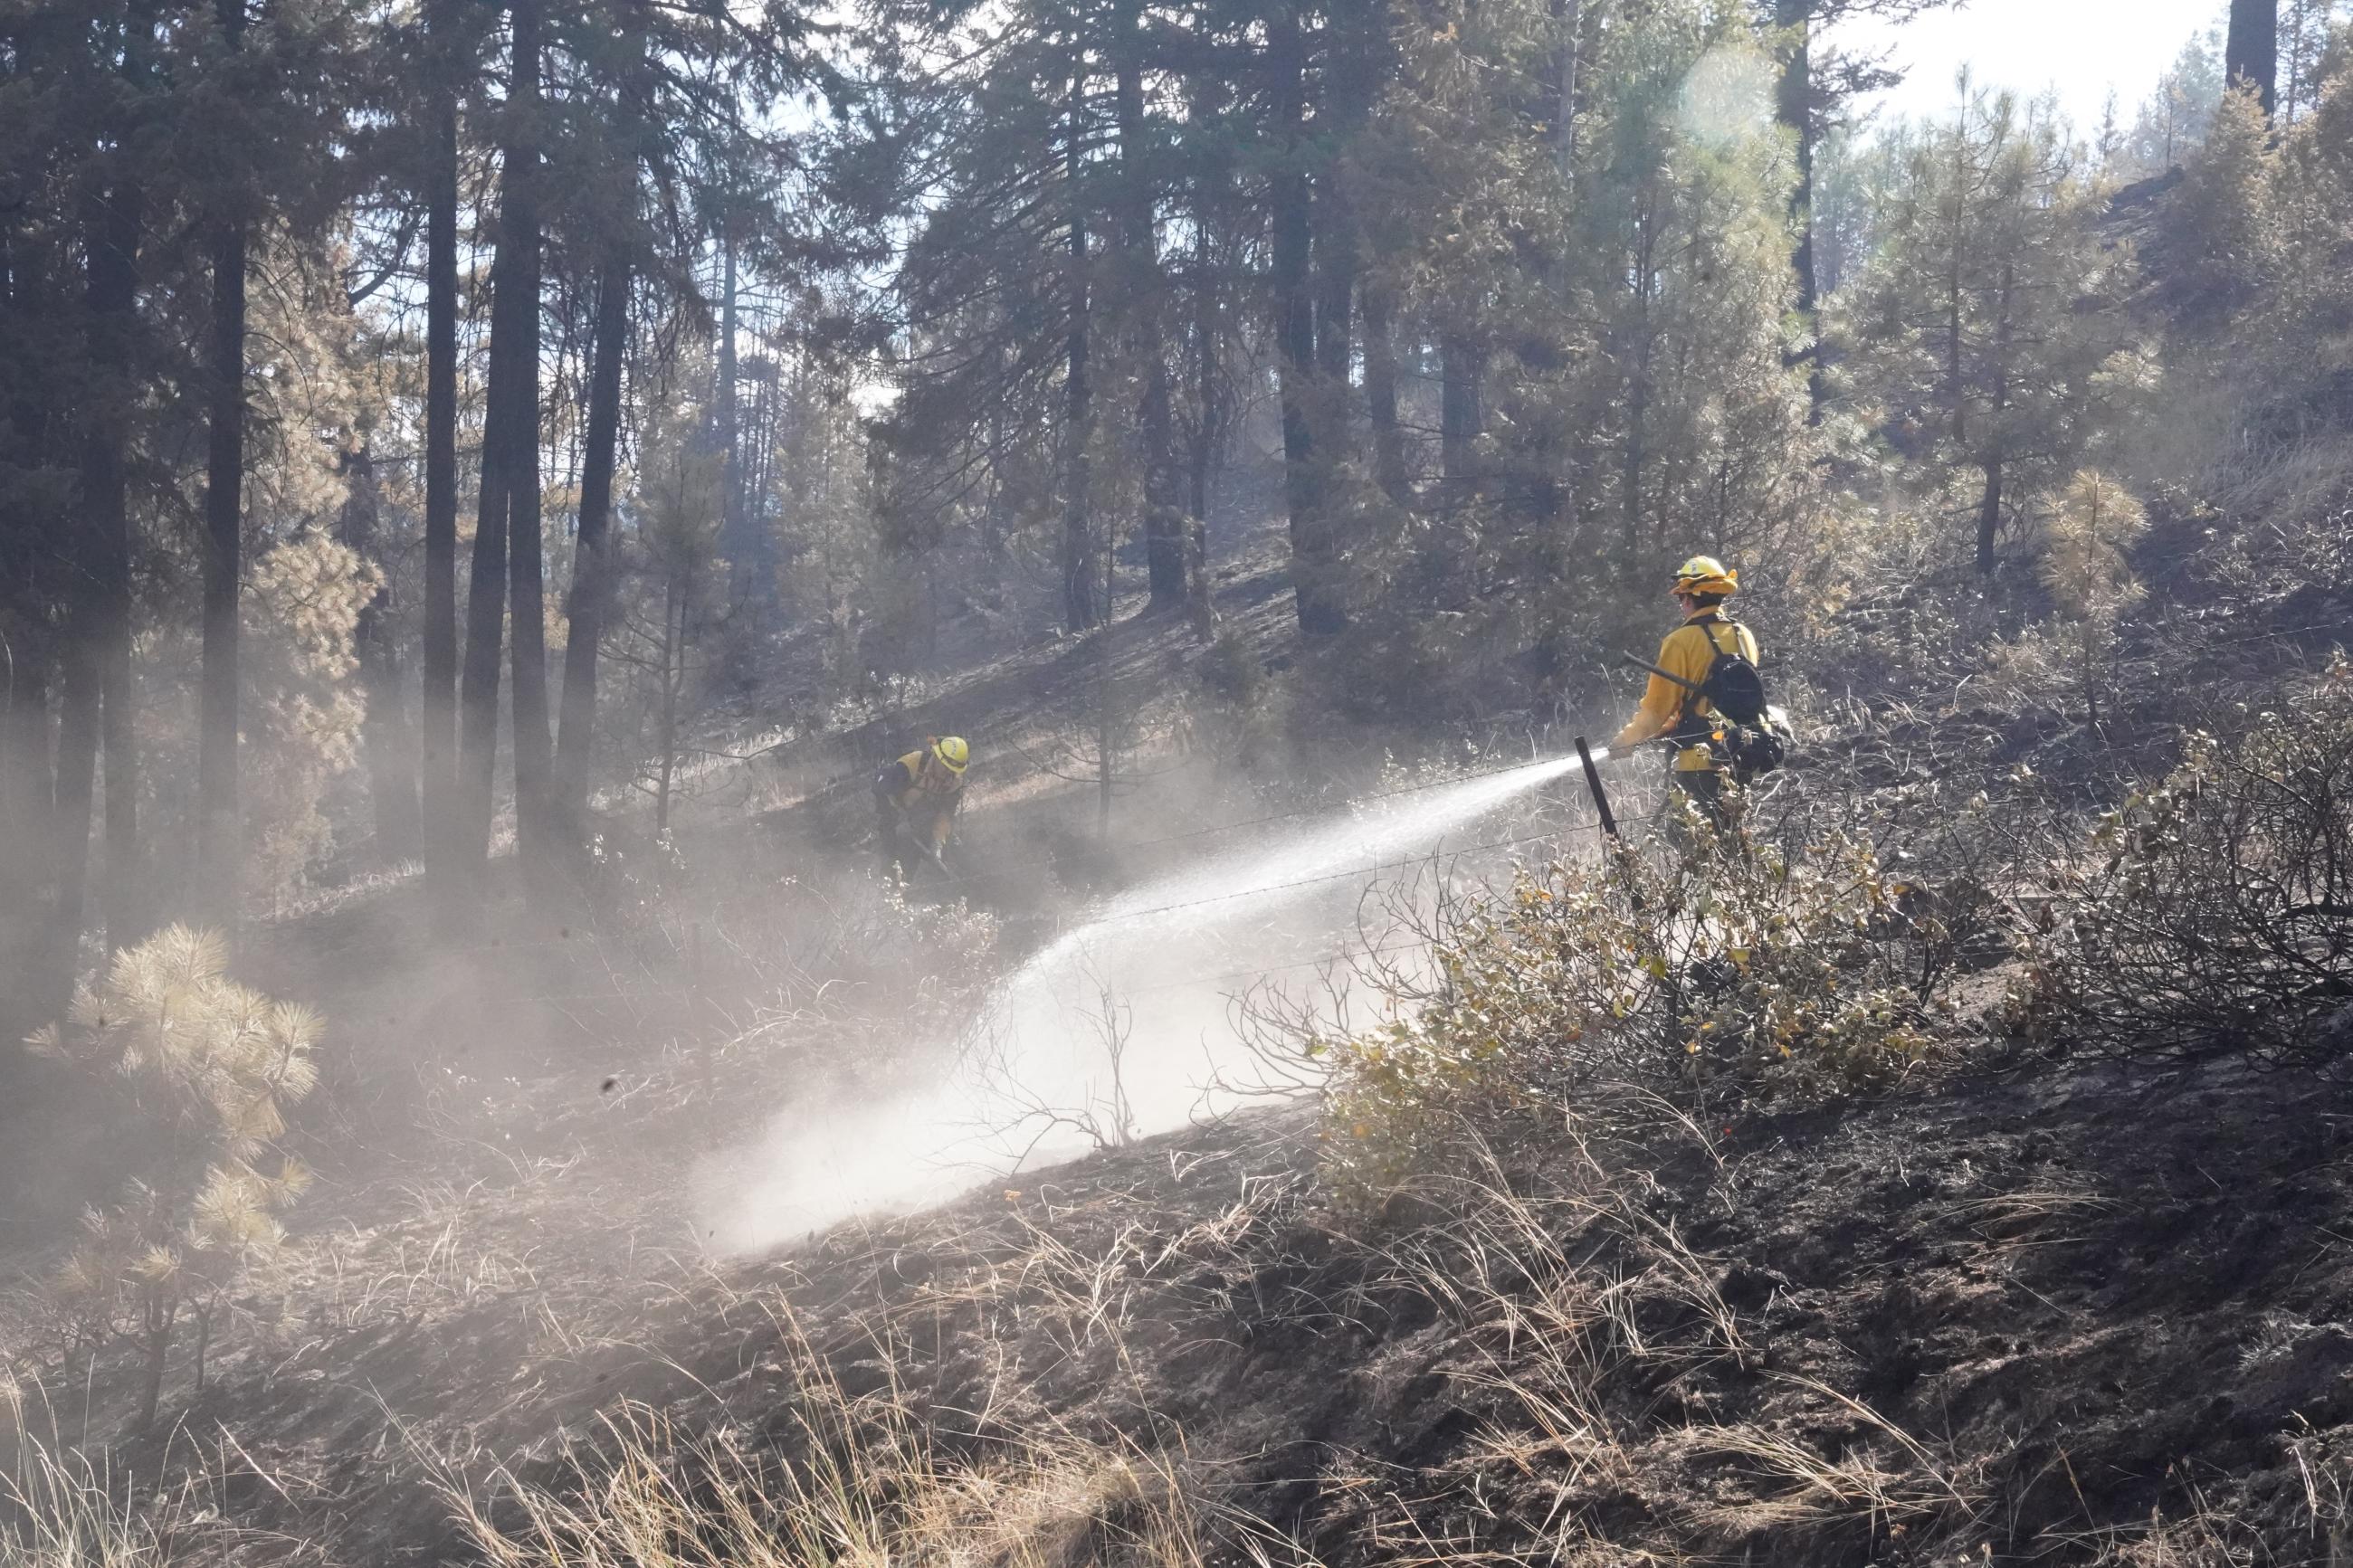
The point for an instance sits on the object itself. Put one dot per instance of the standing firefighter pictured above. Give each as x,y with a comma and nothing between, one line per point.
916,798
1706,664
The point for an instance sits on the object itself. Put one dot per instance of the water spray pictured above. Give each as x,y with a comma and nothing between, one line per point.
1032,1081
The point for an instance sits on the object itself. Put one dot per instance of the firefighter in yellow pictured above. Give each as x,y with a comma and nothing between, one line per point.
916,798
1702,584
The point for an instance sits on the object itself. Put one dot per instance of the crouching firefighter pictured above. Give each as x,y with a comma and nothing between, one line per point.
1704,692
916,797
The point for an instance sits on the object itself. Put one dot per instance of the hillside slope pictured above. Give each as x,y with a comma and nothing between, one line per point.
2072,1316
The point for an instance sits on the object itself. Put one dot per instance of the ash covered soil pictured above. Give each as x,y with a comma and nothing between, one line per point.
2069,1316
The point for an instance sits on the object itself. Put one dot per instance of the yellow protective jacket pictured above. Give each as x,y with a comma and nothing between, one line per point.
926,794
1671,710
916,783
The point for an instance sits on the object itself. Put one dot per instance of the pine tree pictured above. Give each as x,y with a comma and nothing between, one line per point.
1983,322
209,1068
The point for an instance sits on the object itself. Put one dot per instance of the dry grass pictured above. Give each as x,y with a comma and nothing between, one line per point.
855,1482
63,1508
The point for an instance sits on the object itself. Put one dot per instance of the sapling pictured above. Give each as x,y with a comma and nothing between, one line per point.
207,1068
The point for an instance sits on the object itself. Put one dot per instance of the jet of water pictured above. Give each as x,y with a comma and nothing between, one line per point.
1149,977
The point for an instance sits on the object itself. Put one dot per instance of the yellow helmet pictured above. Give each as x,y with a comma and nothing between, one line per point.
1704,574
952,752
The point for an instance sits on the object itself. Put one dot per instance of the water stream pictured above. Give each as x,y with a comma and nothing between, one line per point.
1155,968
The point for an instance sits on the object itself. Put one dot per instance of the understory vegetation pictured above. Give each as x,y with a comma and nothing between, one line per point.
491,1057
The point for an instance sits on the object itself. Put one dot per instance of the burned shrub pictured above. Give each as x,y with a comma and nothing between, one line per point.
2213,913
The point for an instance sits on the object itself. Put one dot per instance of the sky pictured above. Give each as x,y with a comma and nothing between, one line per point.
2082,48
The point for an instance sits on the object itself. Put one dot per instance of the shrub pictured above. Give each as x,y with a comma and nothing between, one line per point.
208,1067
2214,910
1804,968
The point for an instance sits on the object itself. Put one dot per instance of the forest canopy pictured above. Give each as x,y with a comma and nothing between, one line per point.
422,420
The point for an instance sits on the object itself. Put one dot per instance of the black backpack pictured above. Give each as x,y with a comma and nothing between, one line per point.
1735,688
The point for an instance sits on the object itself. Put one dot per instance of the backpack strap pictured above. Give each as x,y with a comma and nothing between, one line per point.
1688,721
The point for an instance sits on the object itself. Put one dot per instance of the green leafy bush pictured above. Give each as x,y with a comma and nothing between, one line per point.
1807,968
208,1068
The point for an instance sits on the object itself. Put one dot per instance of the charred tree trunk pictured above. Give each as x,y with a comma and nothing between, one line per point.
124,908
438,710
27,780
1381,392
1317,591
1989,501
385,743
1080,573
1794,107
592,563
735,546
1644,275
2251,49
219,837
510,424
526,564
1208,430
1163,514
114,270
1460,370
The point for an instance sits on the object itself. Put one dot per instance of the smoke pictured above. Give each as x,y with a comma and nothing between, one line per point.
1121,1027
1727,96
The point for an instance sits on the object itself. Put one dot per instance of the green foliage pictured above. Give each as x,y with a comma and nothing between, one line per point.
2085,566
1804,969
207,1068
2213,911
2173,121
2220,242
1981,326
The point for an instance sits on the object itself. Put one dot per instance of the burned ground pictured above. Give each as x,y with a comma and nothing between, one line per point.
2072,1315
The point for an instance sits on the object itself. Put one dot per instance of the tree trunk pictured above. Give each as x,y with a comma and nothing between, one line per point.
673,677
1210,412
511,419
1146,286
1078,568
219,834
526,565
437,741
1567,87
1638,388
592,563
384,740
27,788
1998,401
1316,588
1794,107
1955,389
2251,51
1989,516
1381,391
113,273
736,548
1460,369
76,777
124,912
159,1326
111,225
